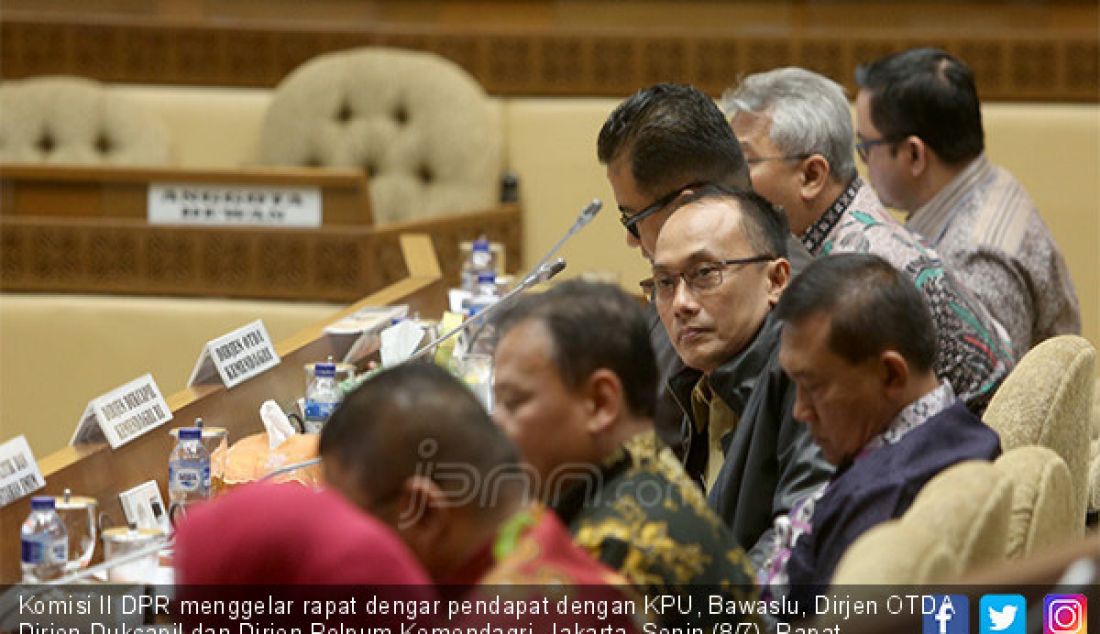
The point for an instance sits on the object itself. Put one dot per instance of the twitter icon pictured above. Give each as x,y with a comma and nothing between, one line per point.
1003,614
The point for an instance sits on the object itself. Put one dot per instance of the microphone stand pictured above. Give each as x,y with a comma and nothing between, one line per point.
541,274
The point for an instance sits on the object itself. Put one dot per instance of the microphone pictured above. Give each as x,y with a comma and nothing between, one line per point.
541,274
587,214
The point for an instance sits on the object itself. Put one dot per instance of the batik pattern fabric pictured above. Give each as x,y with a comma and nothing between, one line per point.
643,517
974,352
985,224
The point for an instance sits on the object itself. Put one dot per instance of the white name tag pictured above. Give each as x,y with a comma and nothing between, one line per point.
236,357
19,473
123,414
201,204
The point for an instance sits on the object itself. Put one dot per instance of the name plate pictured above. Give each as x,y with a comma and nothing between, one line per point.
123,414
19,473
236,357
202,204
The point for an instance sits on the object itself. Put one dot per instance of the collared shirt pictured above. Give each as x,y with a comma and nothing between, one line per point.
789,528
986,225
714,417
643,517
974,352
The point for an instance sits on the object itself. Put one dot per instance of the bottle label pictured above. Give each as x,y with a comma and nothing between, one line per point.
189,476
40,549
319,410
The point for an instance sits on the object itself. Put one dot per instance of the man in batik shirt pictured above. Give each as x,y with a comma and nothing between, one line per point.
575,387
796,131
922,106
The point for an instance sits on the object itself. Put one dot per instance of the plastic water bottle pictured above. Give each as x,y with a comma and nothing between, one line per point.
482,335
45,542
323,394
188,471
479,262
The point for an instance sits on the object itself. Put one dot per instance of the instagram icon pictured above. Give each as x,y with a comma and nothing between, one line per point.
1065,614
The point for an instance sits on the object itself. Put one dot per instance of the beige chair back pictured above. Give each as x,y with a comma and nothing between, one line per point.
969,505
69,120
1042,500
1047,401
897,553
419,125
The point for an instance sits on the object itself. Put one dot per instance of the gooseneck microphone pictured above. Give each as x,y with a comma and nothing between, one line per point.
539,275
587,214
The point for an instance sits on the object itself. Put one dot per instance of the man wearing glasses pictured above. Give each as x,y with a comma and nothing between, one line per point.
719,266
920,129
658,142
796,131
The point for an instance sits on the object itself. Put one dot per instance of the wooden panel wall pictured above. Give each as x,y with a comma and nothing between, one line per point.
128,256
1021,51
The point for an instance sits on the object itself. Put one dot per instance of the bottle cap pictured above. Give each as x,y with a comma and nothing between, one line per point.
190,433
42,503
324,370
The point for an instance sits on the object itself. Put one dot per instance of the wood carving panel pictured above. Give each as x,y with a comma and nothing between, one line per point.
1056,60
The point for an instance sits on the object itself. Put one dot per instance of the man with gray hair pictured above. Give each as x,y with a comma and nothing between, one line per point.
795,129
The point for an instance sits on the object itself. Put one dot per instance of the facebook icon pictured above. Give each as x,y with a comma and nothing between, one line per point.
945,614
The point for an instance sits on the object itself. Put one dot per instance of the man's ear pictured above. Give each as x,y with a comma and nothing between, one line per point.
916,154
423,513
779,275
895,372
814,174
603,398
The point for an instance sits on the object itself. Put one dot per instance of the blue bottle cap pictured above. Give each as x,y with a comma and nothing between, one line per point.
481,244
42,503
190,433
327,370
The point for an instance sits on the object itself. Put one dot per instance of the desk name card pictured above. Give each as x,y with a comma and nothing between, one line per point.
123,414
19,473
212,204
236,357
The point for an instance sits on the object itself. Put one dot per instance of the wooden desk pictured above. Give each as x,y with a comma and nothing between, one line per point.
122,192
98,471
84,230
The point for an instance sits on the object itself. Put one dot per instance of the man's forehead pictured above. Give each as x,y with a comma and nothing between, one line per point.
708,223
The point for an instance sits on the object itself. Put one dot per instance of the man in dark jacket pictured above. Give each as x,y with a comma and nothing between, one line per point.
658,142
859,343
719,266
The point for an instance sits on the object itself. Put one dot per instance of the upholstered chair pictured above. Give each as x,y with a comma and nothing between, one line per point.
419,125
1042,500
69,120
897,553
1047,401
969,505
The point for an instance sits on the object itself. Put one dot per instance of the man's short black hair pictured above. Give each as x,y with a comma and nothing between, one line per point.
673,132
928,93
594,326
871,305
407,417
765,225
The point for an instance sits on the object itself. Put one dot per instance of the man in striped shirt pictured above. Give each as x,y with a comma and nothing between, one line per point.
921,106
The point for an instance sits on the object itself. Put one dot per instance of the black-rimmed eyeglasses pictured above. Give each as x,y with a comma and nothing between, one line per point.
863,147
706,276
631,221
